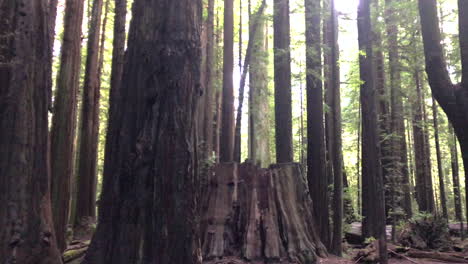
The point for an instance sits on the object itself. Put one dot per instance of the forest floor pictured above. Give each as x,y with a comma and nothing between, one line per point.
77,249
337,260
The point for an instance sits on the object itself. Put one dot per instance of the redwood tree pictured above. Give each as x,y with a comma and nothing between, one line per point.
26,234
226,147
282,69
64,118
399,147
316,173
259,108
373,209
424,188
453,98
152,215
86,193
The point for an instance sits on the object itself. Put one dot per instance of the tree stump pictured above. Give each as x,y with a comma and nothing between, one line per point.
259,215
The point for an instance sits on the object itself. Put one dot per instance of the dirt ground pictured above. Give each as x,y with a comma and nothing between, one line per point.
336,260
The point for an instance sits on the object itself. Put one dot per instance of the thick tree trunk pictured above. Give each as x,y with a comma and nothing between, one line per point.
399,148
373,209
424,189
86,194
226,147
259,106
440,169
154,216
260,215
64,118
27,233
316,167
283,108
453,98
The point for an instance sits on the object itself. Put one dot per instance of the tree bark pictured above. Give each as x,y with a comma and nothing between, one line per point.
440,169
282,69
154,216
64,118
86,194
399,147
453,98
27,233
260,215
316,171
373,209
226,147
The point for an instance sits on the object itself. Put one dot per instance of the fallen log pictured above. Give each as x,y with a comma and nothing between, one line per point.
259,215
442,256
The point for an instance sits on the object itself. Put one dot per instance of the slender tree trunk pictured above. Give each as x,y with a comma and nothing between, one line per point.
218,96
155,216
399,148
107,198
209,84
282,69
252,32
457,198
358,161
372,187
227,114
443,197
238,124
383,113
26,234
424,191
86,194
259,108
334,124
316,167
64,118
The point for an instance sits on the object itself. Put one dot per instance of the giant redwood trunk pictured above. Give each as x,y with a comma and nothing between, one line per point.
453,98
262,215
316,173
373,209
151,215
282,69
86,193
26,231
64,118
